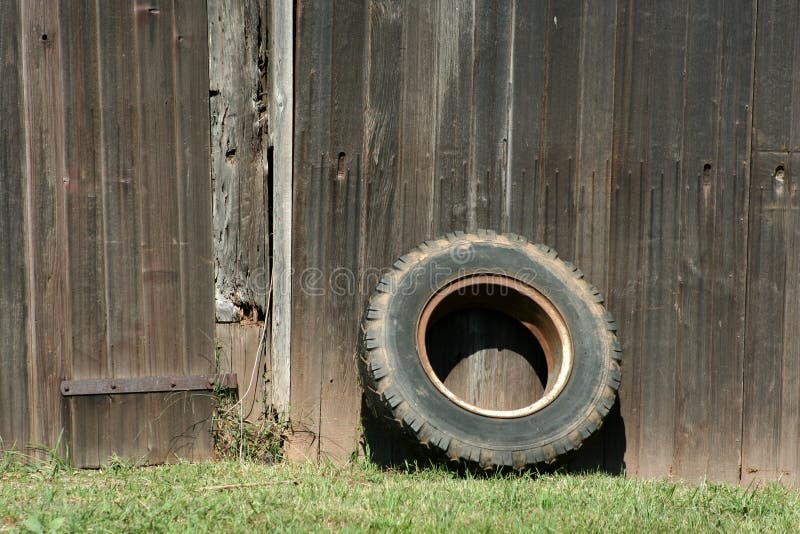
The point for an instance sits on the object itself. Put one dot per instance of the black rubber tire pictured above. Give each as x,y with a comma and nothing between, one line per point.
395,382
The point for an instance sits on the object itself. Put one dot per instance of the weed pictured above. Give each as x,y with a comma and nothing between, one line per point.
236,438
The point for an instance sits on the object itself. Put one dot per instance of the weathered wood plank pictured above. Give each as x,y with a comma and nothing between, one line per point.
340,393
385,210
311,183
192,182
158,194
556,198
14,342
85,217
716,142
281,115
237,54
595,140
159,209
777,101
644,226
698,213
526,115
192,179
788,453
491,71
454,86
765,333
46,220
417,148
125,334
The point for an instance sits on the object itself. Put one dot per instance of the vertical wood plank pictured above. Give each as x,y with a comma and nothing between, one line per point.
46,220
121,229
716,143
238,353
340,396
777,102
385,207
312,115
526,114
765,334
645,234
192,179
158,195
595,140
490,95
788,454
556,199
454,86
14,343
417,149
770,422
281,115
84,201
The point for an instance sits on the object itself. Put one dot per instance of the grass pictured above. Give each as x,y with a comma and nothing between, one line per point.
241,496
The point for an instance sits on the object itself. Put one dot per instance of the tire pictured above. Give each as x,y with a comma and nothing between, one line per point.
396,373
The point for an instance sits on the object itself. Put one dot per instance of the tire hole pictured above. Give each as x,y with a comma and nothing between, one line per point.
493,346
487,358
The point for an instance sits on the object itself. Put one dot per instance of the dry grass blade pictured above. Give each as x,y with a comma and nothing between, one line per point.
248,485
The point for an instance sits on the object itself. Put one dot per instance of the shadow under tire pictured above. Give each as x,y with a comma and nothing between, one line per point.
503,273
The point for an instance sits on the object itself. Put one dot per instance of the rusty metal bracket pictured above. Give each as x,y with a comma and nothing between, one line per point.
148,384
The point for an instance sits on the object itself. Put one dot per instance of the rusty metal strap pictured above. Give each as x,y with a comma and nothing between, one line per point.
148,384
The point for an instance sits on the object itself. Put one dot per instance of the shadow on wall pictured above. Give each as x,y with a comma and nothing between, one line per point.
389,448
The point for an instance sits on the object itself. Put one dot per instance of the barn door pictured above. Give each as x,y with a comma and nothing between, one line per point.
114,311
143,324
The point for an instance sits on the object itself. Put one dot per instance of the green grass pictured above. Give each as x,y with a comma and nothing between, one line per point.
294,497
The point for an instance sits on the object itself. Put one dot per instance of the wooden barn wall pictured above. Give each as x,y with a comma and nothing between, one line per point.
105,234
654,144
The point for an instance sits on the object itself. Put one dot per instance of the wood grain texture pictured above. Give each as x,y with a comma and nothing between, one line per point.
789,455
765,334
491,71
237,54
556,195
454,73
644,225
46,221
310,190
192,180
85,217
339,411
714,216
777,101
771,359
281,115
525,112
14,342
125,334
